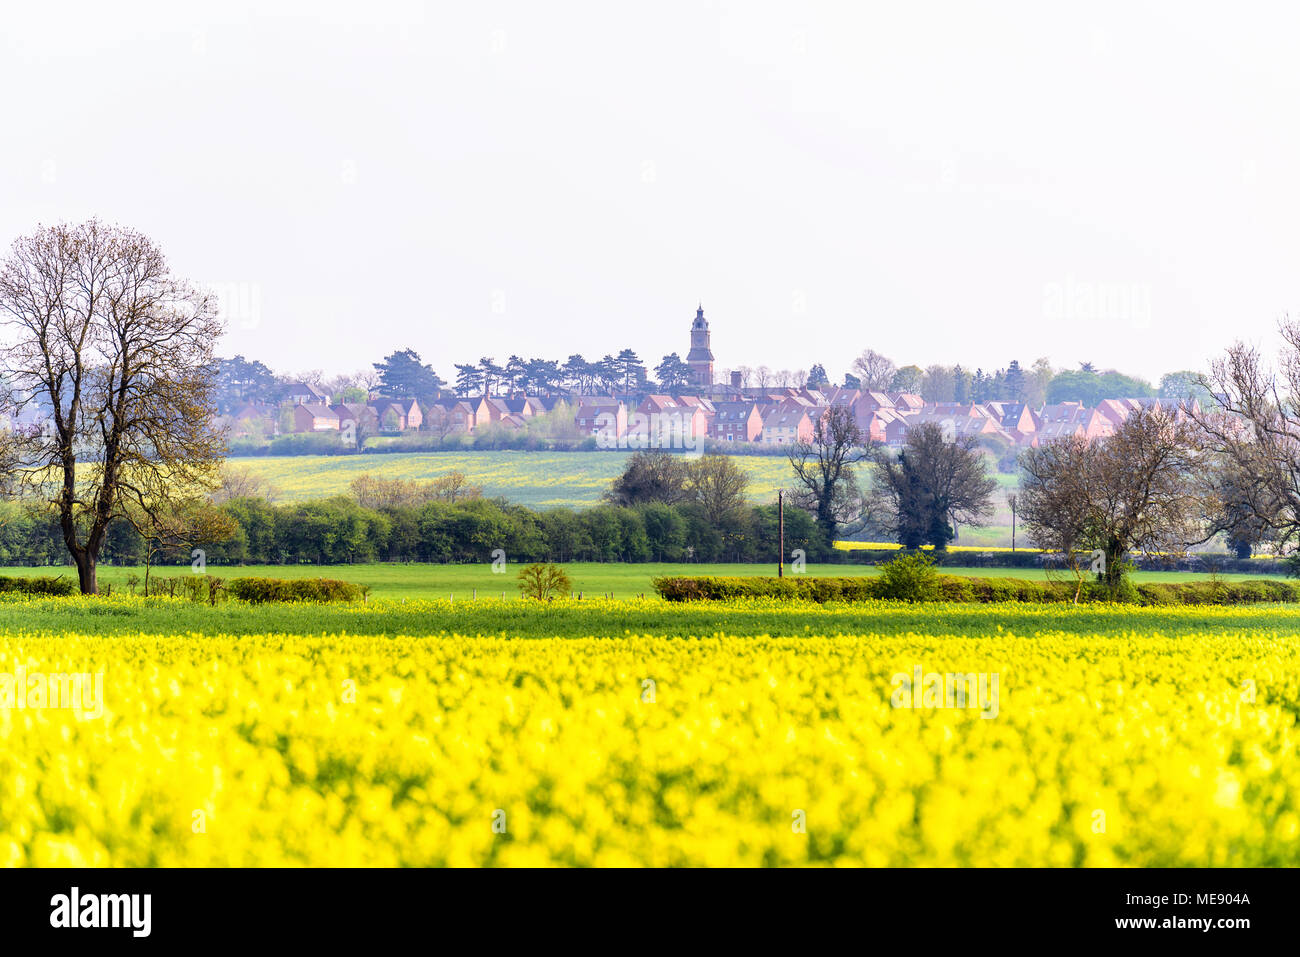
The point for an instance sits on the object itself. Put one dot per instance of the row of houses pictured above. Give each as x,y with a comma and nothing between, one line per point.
768,416
785,416
307,412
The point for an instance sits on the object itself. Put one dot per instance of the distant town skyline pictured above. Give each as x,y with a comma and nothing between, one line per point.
943,184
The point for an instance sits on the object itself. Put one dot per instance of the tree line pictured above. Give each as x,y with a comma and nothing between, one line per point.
1035,386
446,521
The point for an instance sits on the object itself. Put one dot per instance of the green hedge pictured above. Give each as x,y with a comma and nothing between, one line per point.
40,585
1219,592
956,588
718,587
294,589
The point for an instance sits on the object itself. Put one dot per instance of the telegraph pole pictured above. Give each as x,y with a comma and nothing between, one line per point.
780,521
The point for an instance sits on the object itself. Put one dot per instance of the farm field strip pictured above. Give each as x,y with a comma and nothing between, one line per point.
618,618
593,579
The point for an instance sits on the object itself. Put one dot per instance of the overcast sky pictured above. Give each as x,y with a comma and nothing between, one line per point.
945,183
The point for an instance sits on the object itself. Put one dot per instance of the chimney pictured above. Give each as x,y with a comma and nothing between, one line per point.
736,380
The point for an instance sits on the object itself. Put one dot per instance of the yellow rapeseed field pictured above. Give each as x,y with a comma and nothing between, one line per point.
345,749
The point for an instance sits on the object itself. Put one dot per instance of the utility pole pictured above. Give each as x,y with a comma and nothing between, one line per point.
780,521
1012,500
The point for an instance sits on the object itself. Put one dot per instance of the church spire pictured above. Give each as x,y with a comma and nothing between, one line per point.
700,358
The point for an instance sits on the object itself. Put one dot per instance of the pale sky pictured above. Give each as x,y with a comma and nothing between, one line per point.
942,182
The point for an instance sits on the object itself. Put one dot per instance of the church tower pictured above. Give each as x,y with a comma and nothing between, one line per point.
700,358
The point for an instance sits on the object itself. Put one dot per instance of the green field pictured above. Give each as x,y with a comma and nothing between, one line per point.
539,479
619,618
593,579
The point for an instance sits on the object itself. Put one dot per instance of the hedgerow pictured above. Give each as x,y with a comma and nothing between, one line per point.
258,590
977,590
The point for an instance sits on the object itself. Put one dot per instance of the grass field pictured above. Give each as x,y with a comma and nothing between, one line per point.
539,479
639,733
590,578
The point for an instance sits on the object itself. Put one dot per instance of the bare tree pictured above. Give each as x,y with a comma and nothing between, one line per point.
1135,491
186,525
116,354
241,482
825,483
874,371
1053,503
368,379
372,491
1254,435
336,384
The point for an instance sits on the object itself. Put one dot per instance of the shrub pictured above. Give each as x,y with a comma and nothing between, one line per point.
259,590
39,585
910,577
543,582
197,588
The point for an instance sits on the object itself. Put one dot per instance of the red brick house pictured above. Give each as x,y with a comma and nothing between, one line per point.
313,417
736,422
602,416
661,422
398,415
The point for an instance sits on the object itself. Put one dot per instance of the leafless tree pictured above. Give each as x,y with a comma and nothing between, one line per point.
1054,503
241,482
373,491
368,379
1254,434
179,525
116,354
1136,491
874,371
